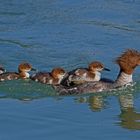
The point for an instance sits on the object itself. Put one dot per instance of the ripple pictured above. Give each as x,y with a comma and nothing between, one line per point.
111,25
29,90
25,90
15,42
11,14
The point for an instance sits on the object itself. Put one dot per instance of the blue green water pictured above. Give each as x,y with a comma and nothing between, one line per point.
70,34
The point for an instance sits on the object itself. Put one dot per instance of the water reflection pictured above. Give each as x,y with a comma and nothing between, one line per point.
26,91
95,103
130,119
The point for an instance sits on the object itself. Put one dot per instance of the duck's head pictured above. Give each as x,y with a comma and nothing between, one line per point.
97,66
58,73
24,68
128,61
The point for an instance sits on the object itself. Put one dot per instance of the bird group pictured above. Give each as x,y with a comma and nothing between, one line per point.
80,80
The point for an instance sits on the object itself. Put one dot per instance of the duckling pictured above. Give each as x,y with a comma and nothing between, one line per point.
22,73
53,78
82,75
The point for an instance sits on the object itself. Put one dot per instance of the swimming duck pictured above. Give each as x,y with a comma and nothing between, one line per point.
53,78
82,75
127,62
22,73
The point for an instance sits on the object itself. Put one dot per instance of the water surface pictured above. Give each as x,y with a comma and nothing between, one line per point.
70,34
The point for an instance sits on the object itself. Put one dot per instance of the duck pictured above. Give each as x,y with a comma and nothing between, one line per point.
23,73
50,78
127,63
83,75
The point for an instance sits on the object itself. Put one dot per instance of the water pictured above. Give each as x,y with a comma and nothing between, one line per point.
70,34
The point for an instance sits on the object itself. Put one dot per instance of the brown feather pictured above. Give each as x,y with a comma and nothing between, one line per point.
128,61
57,71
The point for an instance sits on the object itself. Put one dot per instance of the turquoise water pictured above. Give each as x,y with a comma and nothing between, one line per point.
70,34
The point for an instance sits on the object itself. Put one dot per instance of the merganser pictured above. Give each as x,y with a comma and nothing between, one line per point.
52,78
82,75
127,62
22,73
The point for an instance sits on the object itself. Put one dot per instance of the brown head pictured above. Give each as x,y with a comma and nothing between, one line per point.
128,61
97,66
58,73
23,69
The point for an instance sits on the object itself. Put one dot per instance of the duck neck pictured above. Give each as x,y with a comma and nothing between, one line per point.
123,78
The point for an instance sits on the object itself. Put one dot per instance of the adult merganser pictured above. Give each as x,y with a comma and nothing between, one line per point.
127,62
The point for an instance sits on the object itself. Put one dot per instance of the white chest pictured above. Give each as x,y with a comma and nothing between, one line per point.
97,76
27,74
